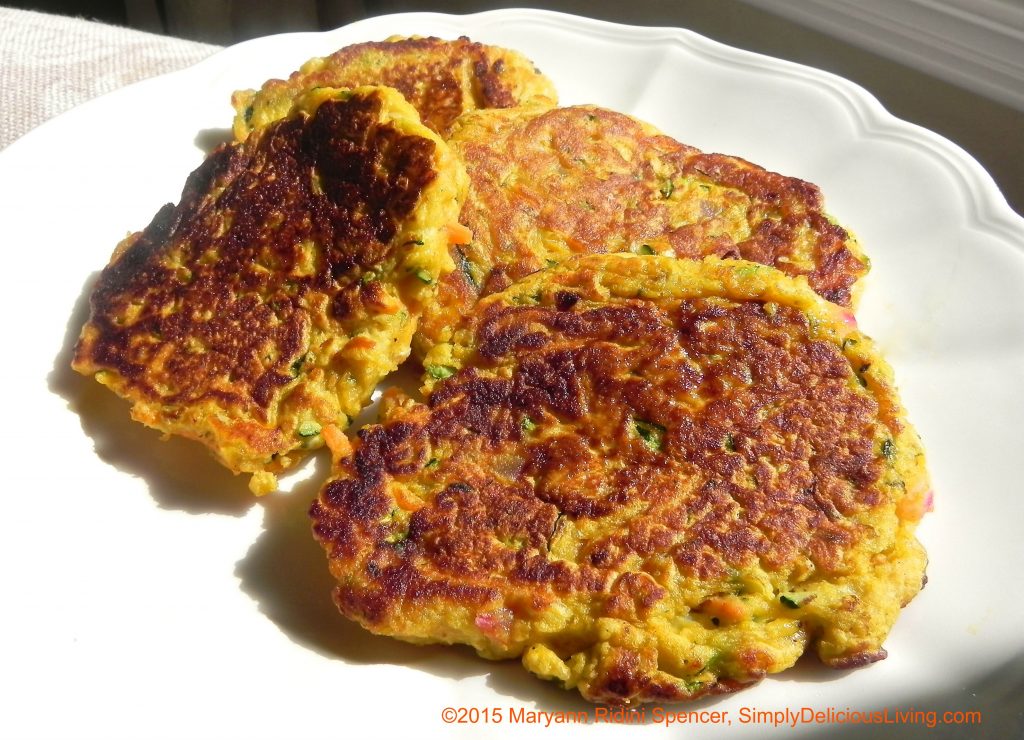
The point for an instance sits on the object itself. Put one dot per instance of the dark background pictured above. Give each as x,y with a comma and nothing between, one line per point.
993,133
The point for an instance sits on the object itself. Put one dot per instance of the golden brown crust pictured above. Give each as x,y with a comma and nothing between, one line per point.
632,466
228,318
549,184
441,79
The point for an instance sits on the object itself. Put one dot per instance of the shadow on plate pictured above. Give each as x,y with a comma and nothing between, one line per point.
181,474
809,669
209,139
991,706
285,573
285,570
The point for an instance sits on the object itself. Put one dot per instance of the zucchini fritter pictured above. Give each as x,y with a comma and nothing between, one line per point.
258,314
442,79
549,184
652,478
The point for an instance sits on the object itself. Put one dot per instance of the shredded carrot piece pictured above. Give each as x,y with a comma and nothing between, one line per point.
405,500
337,442
459,234
360,343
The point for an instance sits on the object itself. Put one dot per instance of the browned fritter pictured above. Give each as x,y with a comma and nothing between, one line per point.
652,478
260,312
441,78
549,184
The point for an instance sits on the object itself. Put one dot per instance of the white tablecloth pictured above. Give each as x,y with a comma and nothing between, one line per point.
51,63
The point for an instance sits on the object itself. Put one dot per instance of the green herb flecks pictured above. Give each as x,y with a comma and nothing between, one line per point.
813,325
860,374
888,450
397,538
554,529
718,660
440,372
308,429
694,686
645,249
729,443
667,188
653,435
424,276
466,268
795,599
432,463
528,424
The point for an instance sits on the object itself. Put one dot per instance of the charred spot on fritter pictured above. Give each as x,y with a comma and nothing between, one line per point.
547,185
653,479
233,281
283,252
440,78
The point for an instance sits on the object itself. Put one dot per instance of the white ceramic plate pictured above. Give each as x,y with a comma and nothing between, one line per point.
146,594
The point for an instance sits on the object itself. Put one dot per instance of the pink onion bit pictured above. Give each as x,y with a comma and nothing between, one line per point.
495,624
